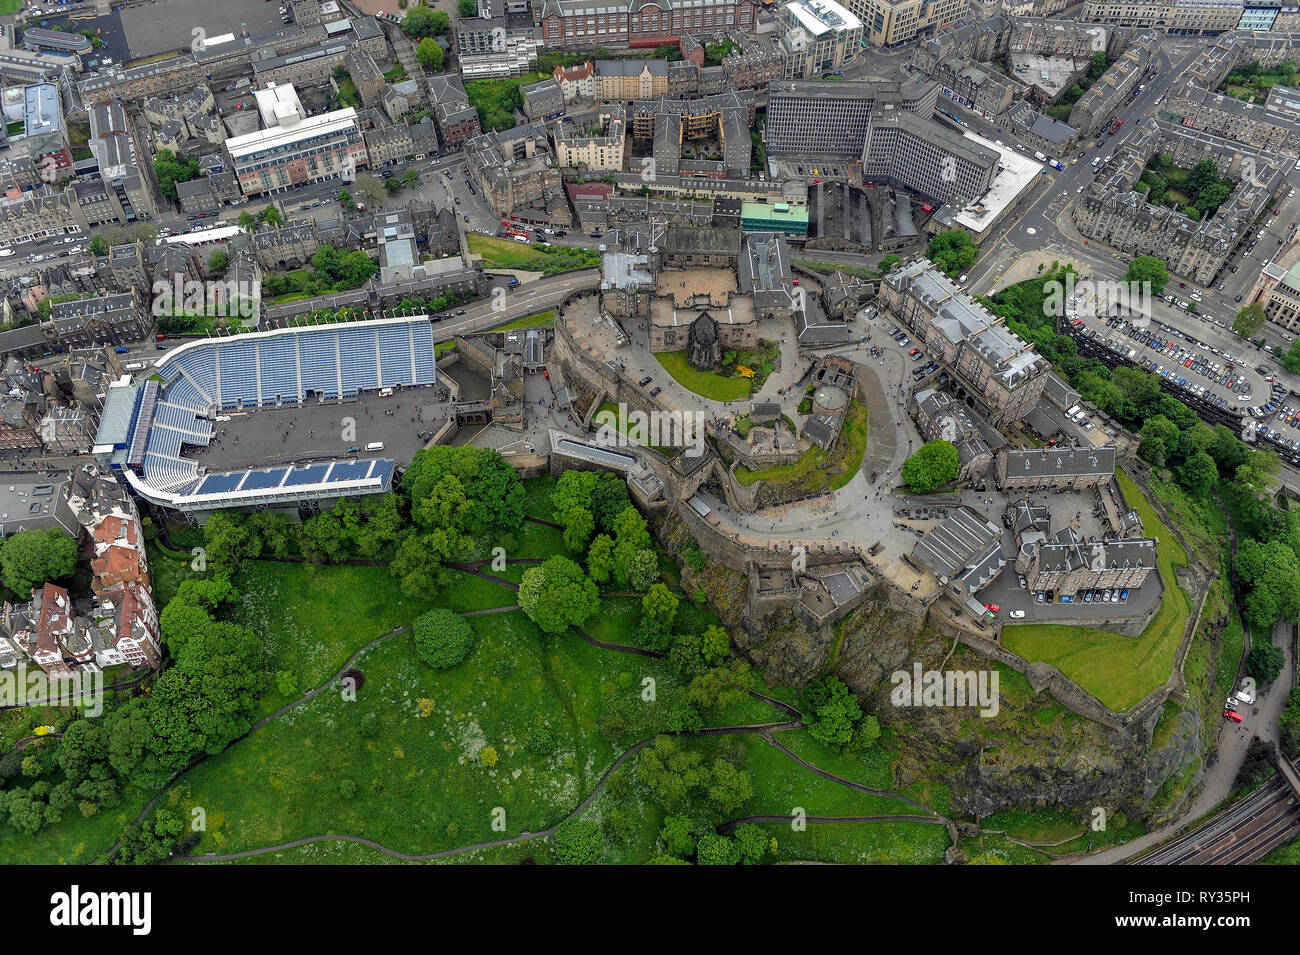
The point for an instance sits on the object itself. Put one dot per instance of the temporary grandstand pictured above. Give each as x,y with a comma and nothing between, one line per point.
147,424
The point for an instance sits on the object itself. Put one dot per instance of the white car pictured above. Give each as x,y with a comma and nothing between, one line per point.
6,252
1016,614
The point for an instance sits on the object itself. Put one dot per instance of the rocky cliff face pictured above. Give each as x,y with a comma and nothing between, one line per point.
1033,752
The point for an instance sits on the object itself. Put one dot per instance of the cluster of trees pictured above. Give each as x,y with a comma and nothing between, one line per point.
600,522
1255,76
452,500
31,558
102,241
1290,724
171,169
679,778
684,838
198,705
332,271
1201,185
421,21
715,53
930,467
497,101
409,178
270,215
952,251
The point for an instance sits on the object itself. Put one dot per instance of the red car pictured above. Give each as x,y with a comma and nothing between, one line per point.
914,351
992,608
1232,715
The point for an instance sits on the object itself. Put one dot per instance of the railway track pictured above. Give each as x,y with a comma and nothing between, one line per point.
1240,835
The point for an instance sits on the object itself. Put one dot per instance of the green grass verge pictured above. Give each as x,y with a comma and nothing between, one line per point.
1116,669
544,319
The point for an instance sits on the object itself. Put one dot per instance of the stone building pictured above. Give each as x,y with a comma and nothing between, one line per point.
1055,469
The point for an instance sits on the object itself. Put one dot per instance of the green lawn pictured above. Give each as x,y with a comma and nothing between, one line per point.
838,465
420,785
705,383
1116,669
861,843
530,257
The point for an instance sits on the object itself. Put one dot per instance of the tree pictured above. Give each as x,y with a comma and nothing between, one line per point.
714,849
659,607
952,252
832,711
600,559
889,262
1291,360
579,525
643,570
931,467
729,787
247,222
393,184
1250,320
578,842
679,835
557,594
218,262
715,645
429,53
1265,662
466,9
1159,437
98,245
171,169
1148,268
752,843
443,638
1198,473
370,189
346,201
32,558
410,177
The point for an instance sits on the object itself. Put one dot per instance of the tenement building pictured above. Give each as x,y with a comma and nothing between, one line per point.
988,362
